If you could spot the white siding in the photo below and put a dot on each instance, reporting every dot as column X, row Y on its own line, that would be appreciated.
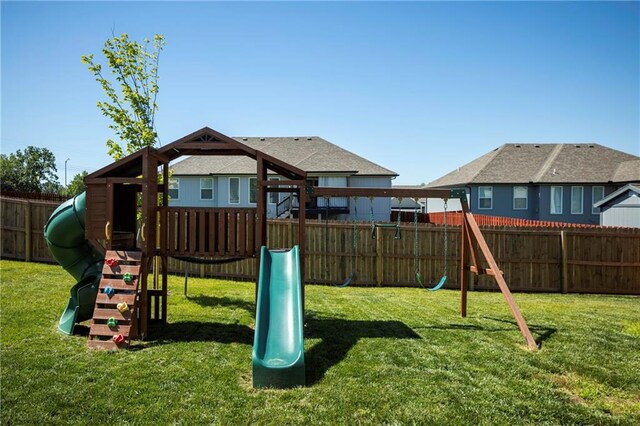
column 381, row 206
column 336, row 182
column 625, row 213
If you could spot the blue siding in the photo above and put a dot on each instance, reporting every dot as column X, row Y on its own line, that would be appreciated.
column 503, row 202
column 538, row 203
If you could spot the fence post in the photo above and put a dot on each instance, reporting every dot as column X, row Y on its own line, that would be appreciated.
column 27, row 232
column 379, row 259
column 564, row 264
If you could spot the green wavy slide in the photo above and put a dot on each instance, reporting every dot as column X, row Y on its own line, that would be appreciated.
column 278, row 346
column 64, row 233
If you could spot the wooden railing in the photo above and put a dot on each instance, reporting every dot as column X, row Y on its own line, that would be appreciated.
column 211, row 232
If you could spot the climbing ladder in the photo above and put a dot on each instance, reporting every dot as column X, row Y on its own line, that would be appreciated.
column 114, row 316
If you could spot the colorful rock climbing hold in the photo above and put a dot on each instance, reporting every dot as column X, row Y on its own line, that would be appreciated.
column 118, row 338
column 127, row 277
column 123, row 307
column 112, row 263
column 112, row 322
column 108, row 291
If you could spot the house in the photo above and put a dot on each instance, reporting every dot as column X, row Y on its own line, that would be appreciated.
column 621, row 208
column 423, row 205
column 230, row 181
column 552, row 182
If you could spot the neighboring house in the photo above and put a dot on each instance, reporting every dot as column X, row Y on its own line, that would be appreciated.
column 423, row 205
column 553, row 182
column 408, row 204
column 230, row 181
column 621, row 208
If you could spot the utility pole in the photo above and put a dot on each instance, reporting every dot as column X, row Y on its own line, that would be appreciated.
column 65, row 171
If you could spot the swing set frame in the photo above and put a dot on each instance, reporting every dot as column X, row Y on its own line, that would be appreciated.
column 473, row 244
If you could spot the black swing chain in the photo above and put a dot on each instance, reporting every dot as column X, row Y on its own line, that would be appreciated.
column 446, row 240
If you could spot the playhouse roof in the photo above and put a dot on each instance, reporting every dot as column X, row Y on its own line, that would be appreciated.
column 206, row 142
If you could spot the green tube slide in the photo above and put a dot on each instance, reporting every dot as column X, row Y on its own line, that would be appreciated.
column 64, row 233
column 278, row 346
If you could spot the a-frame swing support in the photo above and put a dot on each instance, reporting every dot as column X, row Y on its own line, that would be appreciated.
column 470, row 238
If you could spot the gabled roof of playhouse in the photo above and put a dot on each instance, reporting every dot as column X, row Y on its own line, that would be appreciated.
column 205, row 141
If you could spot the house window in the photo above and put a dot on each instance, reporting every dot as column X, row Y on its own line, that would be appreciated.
column 174, row 188
column 485, row 197
column 206, row 188
column 234, row 190
column 556, row 200
column 520, row 197
column 253, row 190
column 273, row 196
column 577, row 195
column 597, row 194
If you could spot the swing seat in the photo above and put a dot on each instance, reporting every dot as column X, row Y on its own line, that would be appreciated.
column 348, row 281
column 375, row 226
column 440, row 284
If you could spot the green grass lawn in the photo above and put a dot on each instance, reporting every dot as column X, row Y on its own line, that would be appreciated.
column 382, row 355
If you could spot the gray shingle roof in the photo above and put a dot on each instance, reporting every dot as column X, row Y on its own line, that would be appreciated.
column 628, row 171
column 310, row 153
column 546, row 163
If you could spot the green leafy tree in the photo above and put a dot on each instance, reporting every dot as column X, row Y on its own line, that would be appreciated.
column 131, row 91
column 76, row 186
column 31, row 170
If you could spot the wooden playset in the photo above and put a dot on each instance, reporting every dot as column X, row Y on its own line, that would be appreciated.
column 113, row 214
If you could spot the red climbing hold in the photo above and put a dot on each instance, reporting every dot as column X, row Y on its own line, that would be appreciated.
column 118, row 338
column 112, row 263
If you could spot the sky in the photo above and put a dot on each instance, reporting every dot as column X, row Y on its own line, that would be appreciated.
column 420, row 88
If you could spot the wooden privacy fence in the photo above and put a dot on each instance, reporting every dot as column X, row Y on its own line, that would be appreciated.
column 22, row 228
column 539, row 259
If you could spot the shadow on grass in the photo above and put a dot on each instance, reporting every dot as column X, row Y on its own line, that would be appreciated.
column 194, row 331
column 215, row 302
column 543, row 333
column 338, row 336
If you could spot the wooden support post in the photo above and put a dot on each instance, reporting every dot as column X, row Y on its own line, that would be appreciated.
column 484, row 248
column 473, row 252
column 302, row 217
column 27, row 232
column 565, row 264
column 261, row 213
column 464, row 271
column 165, row 288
